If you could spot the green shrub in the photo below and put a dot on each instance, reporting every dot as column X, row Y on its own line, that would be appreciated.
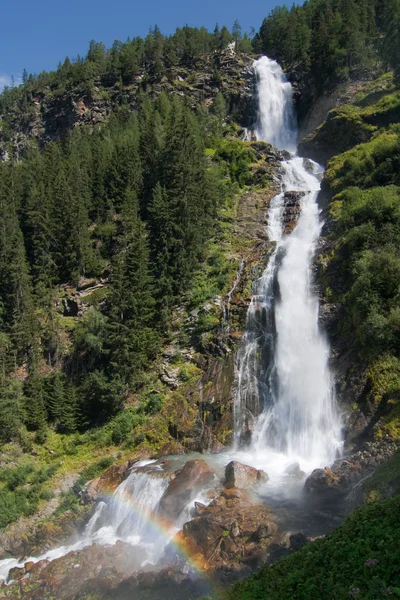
column 153, row 404
column 17, row 476
column 69, row 501
column 123, row 424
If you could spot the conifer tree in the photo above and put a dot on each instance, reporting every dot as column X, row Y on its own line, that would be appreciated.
column 11, row 397
column 162, row 229
column 17, row 308
column 185, row 187
column 35, row 406
column 124, row 170
column 132, row 339
column 151, row 145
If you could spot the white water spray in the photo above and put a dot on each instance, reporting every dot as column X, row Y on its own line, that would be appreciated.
column 285, row 397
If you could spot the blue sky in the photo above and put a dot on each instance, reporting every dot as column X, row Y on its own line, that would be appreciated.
column 37, row 34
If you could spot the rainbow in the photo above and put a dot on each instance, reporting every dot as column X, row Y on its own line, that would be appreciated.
column 196, row 560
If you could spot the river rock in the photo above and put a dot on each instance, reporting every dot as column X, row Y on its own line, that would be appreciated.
column 232, row 529
column 323, row 483
column 243, row 476
column 194, row 476
column 294, row 471
column 91, row 492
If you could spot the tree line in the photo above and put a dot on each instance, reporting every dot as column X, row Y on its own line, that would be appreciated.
column 329, row 39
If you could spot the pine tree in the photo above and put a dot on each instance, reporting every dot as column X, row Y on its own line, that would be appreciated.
column 35, row 406
column 124, row 170
column 132, row 339
column 18, row 313
column 151, row 144
column 61, row 403
column 162, row 230
column 11, row 396
column 224, row 38
column 184, row 182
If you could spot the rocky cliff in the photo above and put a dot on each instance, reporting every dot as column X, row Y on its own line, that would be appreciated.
column 53, row 112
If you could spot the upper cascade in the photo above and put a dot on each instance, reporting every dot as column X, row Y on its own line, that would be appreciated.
column 277, row 122
column 283, row 366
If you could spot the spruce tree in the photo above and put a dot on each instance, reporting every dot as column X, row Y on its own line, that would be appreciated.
column 132, row 338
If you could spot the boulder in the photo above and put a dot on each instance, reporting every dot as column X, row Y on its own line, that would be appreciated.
column 231, row 530
column 323, row 483
column 106, row 483
column 291, row 210
column 243, row 476
column 194, row 476
column 294, row 471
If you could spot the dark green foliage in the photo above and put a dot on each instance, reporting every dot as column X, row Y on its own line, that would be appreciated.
column 331, row 40
column 391, row 41
column 123, row 425
column 153, row 404
column 338, row 566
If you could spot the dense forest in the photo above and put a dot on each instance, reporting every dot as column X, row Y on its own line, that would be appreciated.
column 327, row 40
column 136, row 203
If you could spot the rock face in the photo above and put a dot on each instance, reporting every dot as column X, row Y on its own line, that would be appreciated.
column 291, row 210
column 194, row 476
column 243, row 476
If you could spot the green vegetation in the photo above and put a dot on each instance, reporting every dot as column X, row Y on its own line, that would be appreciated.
column 21, row 490
column 359, row 560
column 363, row 268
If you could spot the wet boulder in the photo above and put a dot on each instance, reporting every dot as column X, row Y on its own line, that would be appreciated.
column 105, row 484
column 193, row 477
column 291, row 210
column 91, row 491
column 232, row 529
column 294, row 470
column 243, row 476
column 323, row 484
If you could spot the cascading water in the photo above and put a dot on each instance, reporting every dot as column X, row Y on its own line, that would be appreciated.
column 285, row 398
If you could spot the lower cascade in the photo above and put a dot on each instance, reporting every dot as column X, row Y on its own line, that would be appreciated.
column 285, row 401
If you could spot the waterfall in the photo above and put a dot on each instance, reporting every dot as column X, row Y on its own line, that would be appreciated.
column 285, row 402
